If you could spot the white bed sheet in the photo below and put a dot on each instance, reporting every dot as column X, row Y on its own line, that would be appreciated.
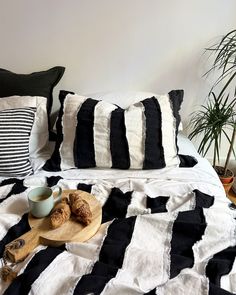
column 202, row 176
column 171, row 180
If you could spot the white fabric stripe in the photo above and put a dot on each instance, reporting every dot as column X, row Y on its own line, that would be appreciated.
column 14, row 150
column 72, row 105
column 66, row 269
column 182, row 202
column 209, row 244
column 15, row 145
column 135, row 134
column 15, row 118
column 23, row 168
column 138, row 204
column 168, row 131
column 17, row 160
column 228, row 282
column 4, row 191
column 187, row 282
column 17, row 140
column 101, row 129
column 21, row 122
column 11, row 211
column 89, row 250
column 143, row 249
column 101, row 192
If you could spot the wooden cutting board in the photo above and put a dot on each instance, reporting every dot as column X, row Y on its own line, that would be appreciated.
column 41, row 233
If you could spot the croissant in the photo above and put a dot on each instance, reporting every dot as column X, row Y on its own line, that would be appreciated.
column 80, row 208
column 60, row 213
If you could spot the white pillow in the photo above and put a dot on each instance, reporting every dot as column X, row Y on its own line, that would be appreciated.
column 39, row 133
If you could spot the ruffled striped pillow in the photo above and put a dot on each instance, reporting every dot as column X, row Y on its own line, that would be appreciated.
column 15, row 128
column 93, row 133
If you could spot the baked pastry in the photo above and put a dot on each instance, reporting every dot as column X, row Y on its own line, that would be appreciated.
column 60, row 213
column 80, row 208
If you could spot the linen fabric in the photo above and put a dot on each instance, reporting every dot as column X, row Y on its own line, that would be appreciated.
column 33, row 84
column 158, row 236
column 15, row 128
column 94, row 133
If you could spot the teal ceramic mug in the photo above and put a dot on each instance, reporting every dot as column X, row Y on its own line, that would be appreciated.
column 41, row 200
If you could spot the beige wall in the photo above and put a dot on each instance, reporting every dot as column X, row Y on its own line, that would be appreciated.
column 105, row 45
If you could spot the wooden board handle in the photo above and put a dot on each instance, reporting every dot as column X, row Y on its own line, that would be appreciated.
column 30, row 242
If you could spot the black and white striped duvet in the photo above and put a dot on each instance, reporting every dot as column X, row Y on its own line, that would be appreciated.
column 148, row 243
column 93, row 133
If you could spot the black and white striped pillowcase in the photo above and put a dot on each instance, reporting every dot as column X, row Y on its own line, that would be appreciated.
column 15, row 129
column 94, row 133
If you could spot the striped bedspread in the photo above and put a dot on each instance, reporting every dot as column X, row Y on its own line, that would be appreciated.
column 147, row 244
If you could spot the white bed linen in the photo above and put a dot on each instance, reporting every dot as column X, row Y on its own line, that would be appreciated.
column 178, row 184
column 202, row 176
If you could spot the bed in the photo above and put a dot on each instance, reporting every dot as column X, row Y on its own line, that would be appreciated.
column 165, row 230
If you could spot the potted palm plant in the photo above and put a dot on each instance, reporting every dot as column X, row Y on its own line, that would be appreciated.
column 218, row 117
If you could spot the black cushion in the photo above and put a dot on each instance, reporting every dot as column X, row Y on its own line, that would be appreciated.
column 34, row 84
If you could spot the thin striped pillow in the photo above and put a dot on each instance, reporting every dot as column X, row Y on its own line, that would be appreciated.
column 93, row 133
column 15, row 128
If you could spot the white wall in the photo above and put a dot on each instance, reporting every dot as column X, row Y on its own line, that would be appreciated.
column 105, row 45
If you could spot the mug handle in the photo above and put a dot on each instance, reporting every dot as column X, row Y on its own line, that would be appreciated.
column 58, row 197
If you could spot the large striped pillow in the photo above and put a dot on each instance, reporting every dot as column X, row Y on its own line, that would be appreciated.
column 93, row 133
column 15, row 128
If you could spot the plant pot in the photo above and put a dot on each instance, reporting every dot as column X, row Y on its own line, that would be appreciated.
column 224, row 178
column 227, row 180
column 227, row 186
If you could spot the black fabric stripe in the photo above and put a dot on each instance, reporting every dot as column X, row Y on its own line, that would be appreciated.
column 11, row 124
column 10, row 181
column 84, row 154
column 203, row 200
column 118, row 141
column 41, row 260
column 152, row 292
column 154, row 152
column 176, row 99
column 116, row 205
column 188, row 228
column 53, row 180
column 14, row 232
column 187, row 161
column 9, row 131
column 25, row 110
column 15, row 149
column 215, row 290
column 17, row 188
column 85, row 187
column 23, row 129
column 111, row 257
column 53, row 164
column 158, row 204
column 18, row 159
column 8, row 164
column 220, row 264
